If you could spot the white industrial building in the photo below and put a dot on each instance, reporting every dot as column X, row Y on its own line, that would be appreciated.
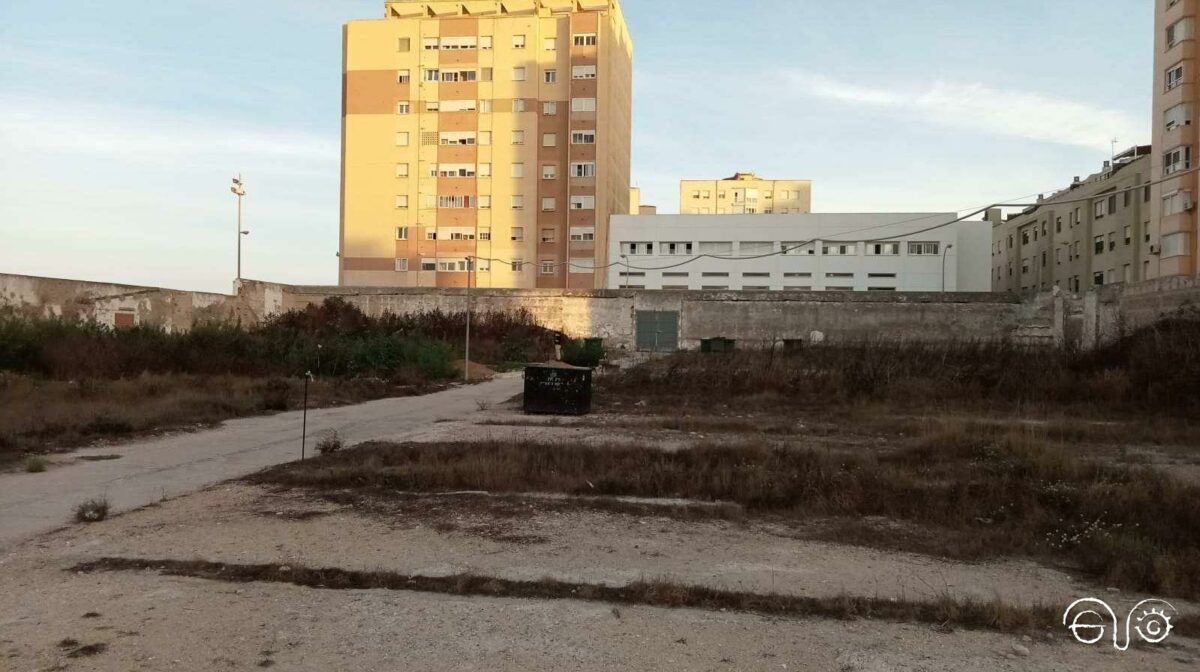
column 800, row 252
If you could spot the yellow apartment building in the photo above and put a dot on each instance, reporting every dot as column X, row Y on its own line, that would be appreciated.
column 485, row 129
column 1174, row 244
column 745, row 194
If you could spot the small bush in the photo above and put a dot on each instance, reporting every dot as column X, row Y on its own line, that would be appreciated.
column 275, row 395
column 35, row 464
column 92, row 511
column 329, row 444
column 587, row 353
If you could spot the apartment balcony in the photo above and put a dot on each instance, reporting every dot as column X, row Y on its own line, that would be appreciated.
column 1183, row 93
column 1183, row 221
column 1181, row 135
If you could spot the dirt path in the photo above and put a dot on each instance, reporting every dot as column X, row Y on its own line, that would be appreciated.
column 151, row 470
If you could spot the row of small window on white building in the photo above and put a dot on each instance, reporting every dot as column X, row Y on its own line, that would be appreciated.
column 579, row 169
column 751, row 249
column 464, row 265
column 747, row 194
column 404, row 138
column 584, row 234
column 486, row 42
column 484, row 202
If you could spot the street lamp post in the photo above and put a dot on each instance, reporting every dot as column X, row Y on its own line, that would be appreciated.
column 625, row 282
column 467, row 348
column 944, row 253
column 239, row 190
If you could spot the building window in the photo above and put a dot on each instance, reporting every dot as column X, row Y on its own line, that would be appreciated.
column 1176, row 202
column 428, row 264
column 1098, row 209
column 518, row 202
column 587, row 138
column 485, row 201
column 637, row 249
column 401, row 170
column 401, row 233
column 432, row 106
column 583, row 104
column 548, row 203
column 547, row 267
column 549, row 139
column 404, row 44
column 1098, row 245
column 1177, row 159
column 455, row 202
column 547, row 235
column 1174, row 76
column 518, row 105
column 1179, row 115
column 518, row 41
column 583, row 72
column 431, row 75
column 924, row 248
column 550, row 43
column 549, row 171
column 1098, row 278
column 550, row 108
column 430, row 43
column 518, row 170
column 843, row 250
column 485, row 137
column 583, row 169
column 584, row 235
column 1179, row 31
column 583, row 202
column 519, row 74
column 485, row 106
column 883, row 249
column 485, row 41
column 402, row 265
column 486, row 74
column 402, row 139
column 585, row 40
column 403, row 76
column 485, row 234
column 518, row 137
column 402, row 201
column 485, row 170
column 403, row 107
column 550, row 76
column 518, row 234
column 431, row 234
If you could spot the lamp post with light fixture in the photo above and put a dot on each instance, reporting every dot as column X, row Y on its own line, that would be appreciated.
column 944, row 253
column 239, row 190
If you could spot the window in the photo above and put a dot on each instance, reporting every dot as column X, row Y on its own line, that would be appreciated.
column 485, row 106
column 1129, row 235
column 456, row 138
column 432, row 106
column 431, row 75
column 485, row 137
column 550, row 108
column 518, row 202
column 1177, row 159
column 924, row 248
column 1175, row 244
column 583, row 202
column 549, row 171
column 583, row 104
column 401, row 233
column 430, row 43
column 550, row 43
column 401, row 170
column 455, row 170
column 589, row 138
column 404, row 44
column 583, row 72
column 585, row 40
column 1179, row 31
column 485, row 202
column 550, row 76
column 518, row 233
column 402, row 201
column 402, row 265
column 455, row 202
column 549, row 203
column 583, row 169
column 402, row 139
column 485, row 234
column 1098, row 209
column 755, row 248
column 458, row 105
column 549, row 139
column 1112, row 241
column 518, row 41
column 1098, row 278
column 485, row 74
column 843, row 250
column 403, row 76
column 459, row 42
column 485, row 170
column 797, row 248
column 428, row 264
column 1176, row 202
column 517, row 265
column 518, row 105
column 518, row 137
column 883, row 249
column 519, row 74
column 403, row 107
column 546, row 267
column 583, row 234
column 716, row 248
column 1112, row 203
column 431, row 234
column 547, row 235
column 485, row 41
column 637, row 249
column 1179, row 115
column 1098, row 245
column 518, row 170
column 1174, row 76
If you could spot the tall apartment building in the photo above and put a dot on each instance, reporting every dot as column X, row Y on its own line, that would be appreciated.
column 745, row 194
column 1096, row 232
column 1176, row 96
column 492, row 129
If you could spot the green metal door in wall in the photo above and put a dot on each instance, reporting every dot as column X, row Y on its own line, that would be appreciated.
column 657, row 331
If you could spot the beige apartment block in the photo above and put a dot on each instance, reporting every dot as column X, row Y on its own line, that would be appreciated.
column 1176, row 93
column 1095, row 232
column 745, row 194
column 485, row 129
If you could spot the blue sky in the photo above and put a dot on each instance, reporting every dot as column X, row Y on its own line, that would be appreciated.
column 121, row 121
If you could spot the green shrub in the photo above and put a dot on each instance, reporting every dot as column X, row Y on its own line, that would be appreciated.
column 587, row 353
column 36, row 464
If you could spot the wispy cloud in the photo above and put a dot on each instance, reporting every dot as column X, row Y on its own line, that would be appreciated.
column 981, row 108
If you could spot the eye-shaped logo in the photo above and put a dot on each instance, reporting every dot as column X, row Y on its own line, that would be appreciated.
column 1088, row 620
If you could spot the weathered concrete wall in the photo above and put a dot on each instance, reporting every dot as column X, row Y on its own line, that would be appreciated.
column 752, row 318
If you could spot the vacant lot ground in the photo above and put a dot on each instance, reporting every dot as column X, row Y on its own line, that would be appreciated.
column 756, row 532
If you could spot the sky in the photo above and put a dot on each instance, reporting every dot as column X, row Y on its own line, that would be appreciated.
column 122, row 121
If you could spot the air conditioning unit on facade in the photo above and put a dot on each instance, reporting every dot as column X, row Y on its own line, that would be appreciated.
column 1155, row 249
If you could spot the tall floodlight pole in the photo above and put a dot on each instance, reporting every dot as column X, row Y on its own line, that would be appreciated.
column 239, row 190
column 944, row 253
column 467, row 348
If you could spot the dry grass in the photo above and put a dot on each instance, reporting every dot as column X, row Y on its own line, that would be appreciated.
column 945, row 613
column 41, row 416
column 977, row 495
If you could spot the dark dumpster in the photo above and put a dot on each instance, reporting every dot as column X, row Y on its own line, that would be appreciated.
column 558, row 389
column 718, row 345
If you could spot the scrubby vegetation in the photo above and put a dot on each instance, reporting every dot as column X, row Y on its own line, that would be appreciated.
column 588, row 352
column 1154, row 370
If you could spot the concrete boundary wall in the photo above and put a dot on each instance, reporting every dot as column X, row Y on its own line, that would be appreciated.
column 754, row 319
